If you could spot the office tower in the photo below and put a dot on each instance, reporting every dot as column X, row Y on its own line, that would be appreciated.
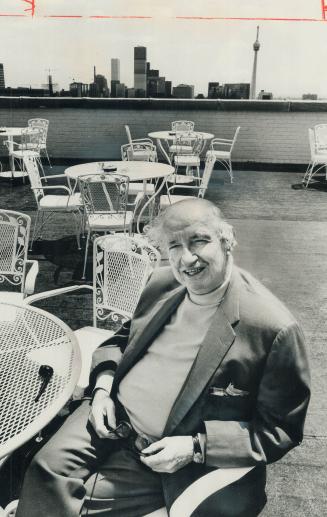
column 256, row 47
column 167, row 89
column 213, row 90
column 115, row 69
column 120, row 90
column 2, row 76
column 78, row 89
column 113, row 86
column 183, row 91
column 140, row 68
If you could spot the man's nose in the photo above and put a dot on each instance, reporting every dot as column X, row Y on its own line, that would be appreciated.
column 188, row 258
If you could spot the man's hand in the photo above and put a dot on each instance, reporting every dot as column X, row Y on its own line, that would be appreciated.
column 102, row 414
column 169, row 454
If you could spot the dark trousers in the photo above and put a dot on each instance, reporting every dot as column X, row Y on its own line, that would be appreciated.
column 76, row 463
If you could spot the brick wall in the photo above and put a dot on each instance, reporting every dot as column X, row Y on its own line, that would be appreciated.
column 275, row 132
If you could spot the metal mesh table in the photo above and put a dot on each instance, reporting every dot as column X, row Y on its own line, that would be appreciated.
column 30, row 337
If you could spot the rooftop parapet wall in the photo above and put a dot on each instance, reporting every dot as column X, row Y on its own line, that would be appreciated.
column 271, row 131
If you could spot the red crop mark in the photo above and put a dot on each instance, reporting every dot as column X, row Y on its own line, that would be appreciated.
column 323, row 9
column 122, row 17
column 31, row 8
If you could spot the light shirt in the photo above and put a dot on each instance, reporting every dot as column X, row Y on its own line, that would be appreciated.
column 148, row 391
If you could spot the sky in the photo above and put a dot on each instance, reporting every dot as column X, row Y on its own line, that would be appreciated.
column 291, row 59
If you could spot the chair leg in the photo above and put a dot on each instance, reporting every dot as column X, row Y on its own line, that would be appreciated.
column 230, row 170
column 38, row 220
column 47, row 156
column 85, row 256
column 77, row 228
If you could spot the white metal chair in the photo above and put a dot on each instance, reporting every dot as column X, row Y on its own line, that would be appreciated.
column 105, row 199
column 189, row 160
column 318, row 156
column 29, row 147
column 14, row 237
column 200, row 187
column 139, row 151
column 36, row 123
column 141, row 154
column 50, row 204
column 224, row 156
column 121, row 268
column 182, row 125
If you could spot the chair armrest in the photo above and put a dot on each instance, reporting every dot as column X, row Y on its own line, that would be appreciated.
column 31, row 276
column 199, row 490
column 178, row 185
column 53, row 187
column 55, row 292
column 45, row 178
column 144, row 140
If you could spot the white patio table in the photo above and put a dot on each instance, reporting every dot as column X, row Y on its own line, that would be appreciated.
column 135, row 170
column 168, row 136
column 29, row 338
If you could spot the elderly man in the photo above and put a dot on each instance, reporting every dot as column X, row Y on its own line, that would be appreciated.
column 211, row 372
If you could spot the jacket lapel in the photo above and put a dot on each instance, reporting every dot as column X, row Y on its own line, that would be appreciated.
column 218, row 340
column 146, row 329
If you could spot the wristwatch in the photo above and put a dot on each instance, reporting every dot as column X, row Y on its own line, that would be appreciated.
column 197, row 451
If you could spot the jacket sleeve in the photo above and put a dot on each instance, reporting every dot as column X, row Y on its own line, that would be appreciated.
column 108, row 355
column 279, row 413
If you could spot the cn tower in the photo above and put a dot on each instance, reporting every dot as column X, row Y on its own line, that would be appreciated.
column 256, row 47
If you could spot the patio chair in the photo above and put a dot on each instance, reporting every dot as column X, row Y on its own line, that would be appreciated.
column 141, row 154
column 42, row 123
column 224, row 156
column 50, row 204
column 15, row 269
column 182, row 125
column 318, row 157
column 105, row 200
column 199, row 188
column 121, row 268
column 128, row 153
column 29, row 147
column 189, row 160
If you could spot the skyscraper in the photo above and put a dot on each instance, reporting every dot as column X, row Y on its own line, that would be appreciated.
column 140, row 71
column 2, row 77
column 256, row 47
column 115, row 69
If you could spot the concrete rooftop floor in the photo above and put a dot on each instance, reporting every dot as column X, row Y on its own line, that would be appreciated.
column 282, row 239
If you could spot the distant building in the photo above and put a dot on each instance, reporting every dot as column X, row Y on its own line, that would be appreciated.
column 99, row 88
column 121, row 90
column 213, row 90
column 114, row 83
column 183, row 91
column 115, row 69
column 2, row 76
column 309, row 97
column 168, row 87
column 130, row 92
column 140, row 69
column 79, row 89
column 236, row 91
column 265, row 96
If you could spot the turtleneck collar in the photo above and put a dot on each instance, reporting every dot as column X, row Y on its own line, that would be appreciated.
column 216, row 296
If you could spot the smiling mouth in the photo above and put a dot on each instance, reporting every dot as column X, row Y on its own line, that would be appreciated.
column 193, row 271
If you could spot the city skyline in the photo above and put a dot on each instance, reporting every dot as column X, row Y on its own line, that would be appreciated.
column 185, row 51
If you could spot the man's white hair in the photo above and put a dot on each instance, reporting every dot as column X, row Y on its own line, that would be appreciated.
column 156, row 232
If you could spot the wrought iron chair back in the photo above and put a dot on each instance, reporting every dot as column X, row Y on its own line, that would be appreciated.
column 32, row 138
column 131, row 151
column 43, row 125
column 121, row 267
column 182, row 125
column 104, row 193
column 14, row 237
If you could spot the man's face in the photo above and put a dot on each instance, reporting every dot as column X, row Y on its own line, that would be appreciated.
column 195, row 252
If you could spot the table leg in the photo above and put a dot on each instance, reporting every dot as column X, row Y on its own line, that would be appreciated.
column 163, row 151
column 151, row 198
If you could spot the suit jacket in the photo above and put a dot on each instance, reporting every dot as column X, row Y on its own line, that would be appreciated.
column 248, row 388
